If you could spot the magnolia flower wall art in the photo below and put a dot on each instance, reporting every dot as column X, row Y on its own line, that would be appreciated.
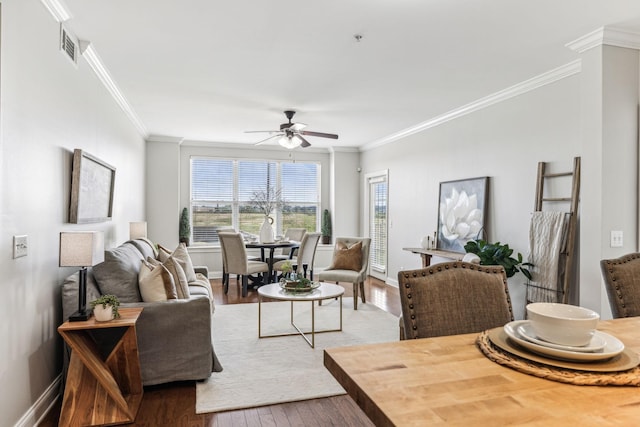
column 461, row 212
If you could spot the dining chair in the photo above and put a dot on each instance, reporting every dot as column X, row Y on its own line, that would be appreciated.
column 453, row 298
column 235, row 261
column 622, row 281
column 350, row 263
column 306, row 255
column 295, row 234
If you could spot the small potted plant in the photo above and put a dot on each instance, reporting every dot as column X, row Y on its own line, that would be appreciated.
column 185, row 227
column 105, row 308
column 326, row 227
column 498, row 254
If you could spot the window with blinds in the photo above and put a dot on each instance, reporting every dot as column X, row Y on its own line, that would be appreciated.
column 222, row 191
column 378, row 223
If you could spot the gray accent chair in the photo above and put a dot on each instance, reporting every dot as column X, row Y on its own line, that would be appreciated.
column 235, row 261
column 453, row 298
column 622, row 281
column 357, row 278
column 174, row 337
column 306, row 256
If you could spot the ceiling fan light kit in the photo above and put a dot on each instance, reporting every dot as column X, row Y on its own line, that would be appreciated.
column 289, row 142
column 290, row 135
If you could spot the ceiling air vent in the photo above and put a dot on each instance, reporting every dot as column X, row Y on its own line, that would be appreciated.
column 68, row 45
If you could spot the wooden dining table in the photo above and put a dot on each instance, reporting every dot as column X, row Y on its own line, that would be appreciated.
column 449, row 381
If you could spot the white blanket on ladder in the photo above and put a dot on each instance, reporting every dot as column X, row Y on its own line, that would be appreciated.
column 546, row 242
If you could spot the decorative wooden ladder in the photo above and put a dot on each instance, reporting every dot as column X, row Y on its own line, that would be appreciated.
column 567, row 255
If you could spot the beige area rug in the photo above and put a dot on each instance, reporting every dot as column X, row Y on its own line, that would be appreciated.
column 268, row 371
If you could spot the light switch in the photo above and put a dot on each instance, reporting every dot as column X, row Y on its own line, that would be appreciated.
column 616, row 239
column 19, row 246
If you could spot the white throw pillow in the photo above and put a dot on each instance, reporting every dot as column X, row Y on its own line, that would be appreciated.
column 156, row 283
column 179, row 278
column 181, row 254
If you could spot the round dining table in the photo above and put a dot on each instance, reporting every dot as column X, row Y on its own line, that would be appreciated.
column 272, row 246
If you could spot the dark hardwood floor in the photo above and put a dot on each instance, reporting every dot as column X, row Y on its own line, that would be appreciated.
column 174, row 404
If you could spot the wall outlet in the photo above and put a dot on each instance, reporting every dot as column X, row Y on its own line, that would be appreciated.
column 616, row 239
column 19, row 246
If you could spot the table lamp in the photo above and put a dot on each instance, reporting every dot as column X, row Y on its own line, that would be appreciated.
column 137, row 230
column 81, row 249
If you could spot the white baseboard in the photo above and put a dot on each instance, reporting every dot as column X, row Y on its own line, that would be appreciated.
column 42, row 406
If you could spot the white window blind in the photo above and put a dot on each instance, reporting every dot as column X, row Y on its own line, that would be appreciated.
column 222, row 190
column 211, row 198
column 301, row 192
column 378, row 223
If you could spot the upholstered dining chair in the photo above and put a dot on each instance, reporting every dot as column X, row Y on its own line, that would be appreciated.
column 295, row 234
column 235, row 261
column 349, row 265
column 453, row 298
column 306, row 255
column 622, row 281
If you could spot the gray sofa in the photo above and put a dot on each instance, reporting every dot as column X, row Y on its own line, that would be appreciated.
column 174, row 336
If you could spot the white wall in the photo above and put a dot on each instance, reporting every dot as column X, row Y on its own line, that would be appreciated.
column 163, row 191
column 48, row 108
column 505, row 142
column 609, row 92
column 345, row 193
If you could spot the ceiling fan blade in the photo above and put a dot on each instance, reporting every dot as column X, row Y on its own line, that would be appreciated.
column 297, row 126
column 261, row 131
column 304, row 143
column 266, row 140
column 319, row 134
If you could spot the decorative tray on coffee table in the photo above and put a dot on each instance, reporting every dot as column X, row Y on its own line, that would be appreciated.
column 297, row 286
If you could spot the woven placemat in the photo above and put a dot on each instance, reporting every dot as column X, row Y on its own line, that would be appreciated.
column 629, row 377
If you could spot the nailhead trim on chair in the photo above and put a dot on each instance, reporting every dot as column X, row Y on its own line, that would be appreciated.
column 447, row 266
column 610, row 268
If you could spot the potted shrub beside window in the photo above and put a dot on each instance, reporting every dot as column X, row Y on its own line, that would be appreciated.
column 184, row 231
column 326, row 227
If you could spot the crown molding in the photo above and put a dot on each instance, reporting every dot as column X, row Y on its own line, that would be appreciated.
column 57, row 9
column 165, row 139
column 609, row 36
column 549, row 77
column 98, row 67
column 343, row 149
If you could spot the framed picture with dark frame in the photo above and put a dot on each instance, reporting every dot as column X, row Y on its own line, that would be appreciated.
column 462, row 211
column 92, row 184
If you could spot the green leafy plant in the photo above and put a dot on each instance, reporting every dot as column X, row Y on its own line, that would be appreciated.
column 326, row 226
column 287, row 267
column 498, row 254
column 185, row 227
column 105, row 300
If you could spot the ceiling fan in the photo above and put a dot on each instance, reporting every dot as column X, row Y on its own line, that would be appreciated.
column 291, row 135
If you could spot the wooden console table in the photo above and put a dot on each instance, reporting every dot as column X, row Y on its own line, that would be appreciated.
column 426, row 255
column 104, row 383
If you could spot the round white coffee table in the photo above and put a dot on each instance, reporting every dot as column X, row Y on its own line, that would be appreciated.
column 324, row 291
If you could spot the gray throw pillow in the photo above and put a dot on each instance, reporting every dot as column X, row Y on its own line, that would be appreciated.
column 118, row 274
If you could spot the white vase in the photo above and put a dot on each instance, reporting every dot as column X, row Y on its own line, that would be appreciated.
column 266, row 231
column 426, row 242
column 103, row 314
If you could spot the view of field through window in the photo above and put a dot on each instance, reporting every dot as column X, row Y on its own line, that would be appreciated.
column 222, row 191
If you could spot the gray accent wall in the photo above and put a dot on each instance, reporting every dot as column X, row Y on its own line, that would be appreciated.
column 48, row 107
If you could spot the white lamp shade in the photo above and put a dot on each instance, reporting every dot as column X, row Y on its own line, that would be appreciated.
column 137, row 230
column 81, row 248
